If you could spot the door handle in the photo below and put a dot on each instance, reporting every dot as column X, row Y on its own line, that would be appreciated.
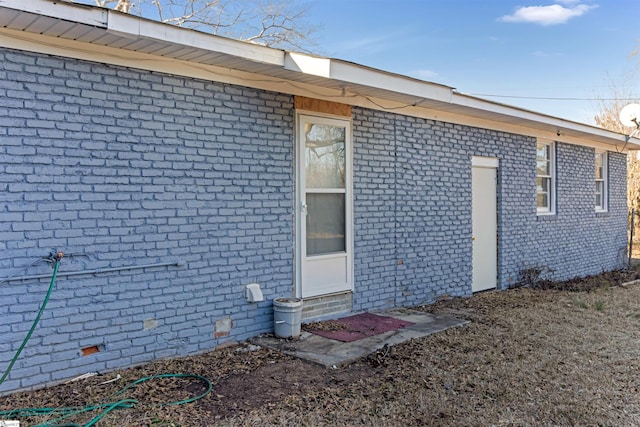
column 303, row 208
column 473, row 238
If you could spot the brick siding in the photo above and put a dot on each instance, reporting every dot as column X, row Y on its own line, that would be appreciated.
column 413, row 210
column 126, row 167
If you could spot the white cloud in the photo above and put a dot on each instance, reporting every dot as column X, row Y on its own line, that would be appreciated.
column 548, row 15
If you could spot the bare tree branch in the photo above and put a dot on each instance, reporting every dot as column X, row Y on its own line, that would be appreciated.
column 158, row 6
column 275, row 23
column 123, row 6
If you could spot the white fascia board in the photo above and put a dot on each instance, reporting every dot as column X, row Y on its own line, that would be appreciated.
column 377, row 79
column 364, row 76
column 561, row 125
column 308, row 64
column 520, row 113
column 65, row 11
column 139, row 28
column 469, row 101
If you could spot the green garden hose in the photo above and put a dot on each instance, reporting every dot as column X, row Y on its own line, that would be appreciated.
column 65, row 413
column 35, row 322
column 68, row 412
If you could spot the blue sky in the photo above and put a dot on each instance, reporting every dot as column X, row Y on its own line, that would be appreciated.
column 521, row 48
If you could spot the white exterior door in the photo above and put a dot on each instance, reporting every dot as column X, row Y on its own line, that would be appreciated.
column 485, row 226
column 324, row 244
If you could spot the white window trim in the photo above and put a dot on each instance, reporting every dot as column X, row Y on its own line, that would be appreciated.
column 551, row 209
column 605, row 182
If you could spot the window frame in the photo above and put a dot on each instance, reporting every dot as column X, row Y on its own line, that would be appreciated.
column 604, row 206
column 550, row 209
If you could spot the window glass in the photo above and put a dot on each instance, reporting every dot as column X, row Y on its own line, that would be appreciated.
column 599, row 172
column 324, row 156
column 544, row 178
column 543, row 160
column 599, row 194
column 601, row 181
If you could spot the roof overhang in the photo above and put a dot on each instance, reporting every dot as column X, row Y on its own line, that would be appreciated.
column 72, row 24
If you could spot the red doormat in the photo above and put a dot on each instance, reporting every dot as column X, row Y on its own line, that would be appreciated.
column 356, row 327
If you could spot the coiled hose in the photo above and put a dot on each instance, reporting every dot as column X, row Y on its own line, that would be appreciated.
column 105, row 408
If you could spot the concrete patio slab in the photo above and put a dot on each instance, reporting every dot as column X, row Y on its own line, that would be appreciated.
column 329, row 353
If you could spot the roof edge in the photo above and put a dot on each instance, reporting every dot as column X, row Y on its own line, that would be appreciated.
column 325, row 72
column 61, row 9
column 136, row 27
column 560, row 123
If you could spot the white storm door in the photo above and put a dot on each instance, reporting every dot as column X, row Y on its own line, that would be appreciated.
column 485, row 227
column 324, row 249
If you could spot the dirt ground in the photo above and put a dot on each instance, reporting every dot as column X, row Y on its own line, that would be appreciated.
column 556, row 354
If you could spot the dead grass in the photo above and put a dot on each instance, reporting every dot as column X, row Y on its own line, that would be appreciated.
column 529, row 357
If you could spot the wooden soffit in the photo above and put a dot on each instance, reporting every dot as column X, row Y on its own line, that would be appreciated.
column 321, row 106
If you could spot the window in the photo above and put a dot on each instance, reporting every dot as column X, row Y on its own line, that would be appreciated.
column 545, row 178
column 601, row 181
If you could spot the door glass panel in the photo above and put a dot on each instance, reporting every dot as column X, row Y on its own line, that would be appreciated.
column 325, row 223
column 324, row 156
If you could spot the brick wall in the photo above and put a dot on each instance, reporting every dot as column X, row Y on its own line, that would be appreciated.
column 413, row 210
column 127, row 167
column 577, row 240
